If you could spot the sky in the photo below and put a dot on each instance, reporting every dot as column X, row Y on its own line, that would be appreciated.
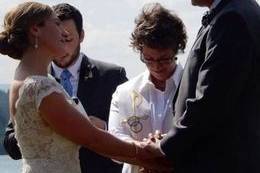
column 108, row 25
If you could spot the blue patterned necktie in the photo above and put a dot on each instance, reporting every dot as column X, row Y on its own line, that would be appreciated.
column 65, row 81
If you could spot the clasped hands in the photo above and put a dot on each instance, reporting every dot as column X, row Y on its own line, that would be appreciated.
column 150, row 155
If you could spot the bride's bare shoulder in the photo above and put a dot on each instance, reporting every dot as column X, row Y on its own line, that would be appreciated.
column 13, row 95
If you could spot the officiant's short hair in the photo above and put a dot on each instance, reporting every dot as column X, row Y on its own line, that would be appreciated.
column 159, row 28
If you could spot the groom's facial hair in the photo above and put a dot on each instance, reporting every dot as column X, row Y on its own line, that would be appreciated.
column 70, row 61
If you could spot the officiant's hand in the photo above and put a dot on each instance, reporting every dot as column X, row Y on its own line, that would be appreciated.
column 156, row 137
column 101, row 124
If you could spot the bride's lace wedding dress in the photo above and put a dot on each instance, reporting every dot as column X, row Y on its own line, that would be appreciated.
column 43, row 150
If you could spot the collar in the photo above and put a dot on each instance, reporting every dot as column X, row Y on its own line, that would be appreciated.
column 175, row 78
column 214, row 4
column 73, row 69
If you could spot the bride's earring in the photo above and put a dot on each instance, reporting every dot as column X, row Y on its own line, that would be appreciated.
column 36, row 43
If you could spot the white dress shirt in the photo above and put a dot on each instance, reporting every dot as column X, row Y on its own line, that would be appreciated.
column 74, row 69
column 138, row 108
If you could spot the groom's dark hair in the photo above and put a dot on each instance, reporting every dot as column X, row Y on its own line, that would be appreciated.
column 65, row 11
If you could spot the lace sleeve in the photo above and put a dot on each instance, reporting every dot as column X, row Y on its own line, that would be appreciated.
column 45, row 87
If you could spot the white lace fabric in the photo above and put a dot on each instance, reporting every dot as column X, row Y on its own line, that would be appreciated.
column 43, row 150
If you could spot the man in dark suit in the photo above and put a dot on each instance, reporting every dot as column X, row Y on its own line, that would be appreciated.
column 217, row 108
column 93, row 82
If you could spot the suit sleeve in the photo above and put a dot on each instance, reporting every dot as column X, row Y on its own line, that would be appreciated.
column 10, row 143
column 122, row 76
column 221, row 79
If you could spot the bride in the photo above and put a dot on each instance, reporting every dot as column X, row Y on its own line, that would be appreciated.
column 49, row 128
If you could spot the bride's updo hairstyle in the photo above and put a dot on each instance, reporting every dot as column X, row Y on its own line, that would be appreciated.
column 14, row 39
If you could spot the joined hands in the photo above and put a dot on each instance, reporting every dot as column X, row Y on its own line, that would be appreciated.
column 150, row 155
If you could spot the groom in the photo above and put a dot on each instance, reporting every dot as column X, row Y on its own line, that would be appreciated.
column 93, row 82
column 217, row 108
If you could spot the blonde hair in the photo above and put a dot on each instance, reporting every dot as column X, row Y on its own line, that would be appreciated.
column 14, row 39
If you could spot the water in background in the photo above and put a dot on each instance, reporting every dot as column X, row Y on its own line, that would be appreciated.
column 7, row 165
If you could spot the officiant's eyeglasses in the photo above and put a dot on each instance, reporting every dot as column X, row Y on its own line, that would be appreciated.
column 160, row 61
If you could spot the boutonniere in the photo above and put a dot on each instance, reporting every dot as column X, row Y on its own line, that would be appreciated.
column 88, row 73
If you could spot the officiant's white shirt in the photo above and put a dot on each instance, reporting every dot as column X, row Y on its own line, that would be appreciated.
column 138, row 108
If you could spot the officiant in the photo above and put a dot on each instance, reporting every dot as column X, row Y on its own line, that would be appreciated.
column 143, row 105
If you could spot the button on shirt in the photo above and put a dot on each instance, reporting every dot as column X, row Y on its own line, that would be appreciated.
column 74, row 70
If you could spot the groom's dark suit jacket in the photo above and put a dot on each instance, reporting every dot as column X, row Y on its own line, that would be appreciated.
column 97, row 83
column 219, row 95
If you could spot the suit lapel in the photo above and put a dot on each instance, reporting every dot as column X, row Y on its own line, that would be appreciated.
column 52, row 72
column 86, row 80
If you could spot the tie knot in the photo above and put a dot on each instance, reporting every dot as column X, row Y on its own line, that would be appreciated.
column 209, row 15
column 65, row 74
